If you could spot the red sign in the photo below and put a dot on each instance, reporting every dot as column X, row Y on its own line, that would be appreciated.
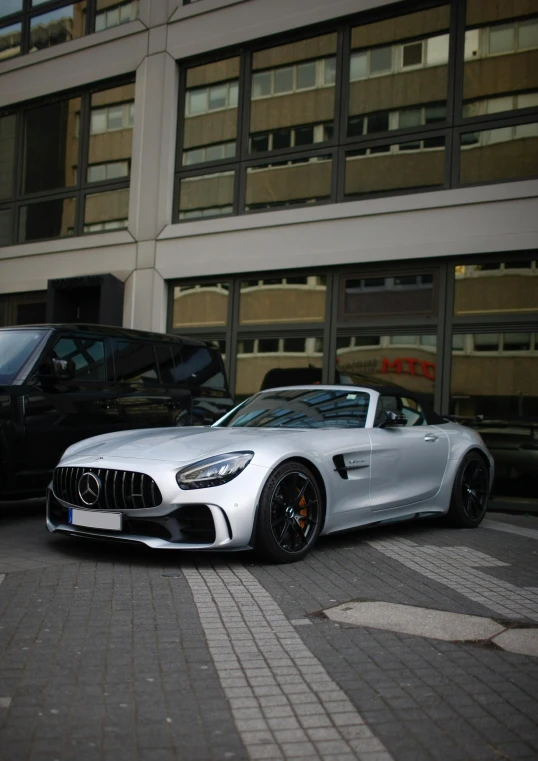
column 408, row 366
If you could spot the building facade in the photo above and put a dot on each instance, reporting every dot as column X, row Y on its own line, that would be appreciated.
column 335, row 191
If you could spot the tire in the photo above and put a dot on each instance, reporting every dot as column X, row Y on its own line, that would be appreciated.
column 290, row 514
column 470, row 492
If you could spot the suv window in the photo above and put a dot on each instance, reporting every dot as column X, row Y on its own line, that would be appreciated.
column 88, row 354
column 135, row 361
column 165, row 360
column 200, row 366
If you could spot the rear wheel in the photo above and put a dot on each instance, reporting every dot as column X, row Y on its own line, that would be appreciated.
column 470, row 492
column 290, row 513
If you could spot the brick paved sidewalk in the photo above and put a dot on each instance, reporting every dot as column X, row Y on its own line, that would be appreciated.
column 109, row 652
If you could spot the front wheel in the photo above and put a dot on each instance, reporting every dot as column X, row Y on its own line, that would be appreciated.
column 290, row 513
column 470, row 492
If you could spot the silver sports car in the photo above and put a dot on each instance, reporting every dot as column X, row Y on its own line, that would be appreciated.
column 277, row 471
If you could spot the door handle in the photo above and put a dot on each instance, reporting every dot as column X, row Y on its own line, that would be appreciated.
column 430, row 437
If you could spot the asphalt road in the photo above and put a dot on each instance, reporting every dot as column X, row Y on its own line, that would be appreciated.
column 111, row 652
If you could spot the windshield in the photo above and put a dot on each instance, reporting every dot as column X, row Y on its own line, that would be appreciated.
column 15, row 348
column 300, row 408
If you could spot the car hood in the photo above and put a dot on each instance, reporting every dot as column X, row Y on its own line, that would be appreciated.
column 177, row 445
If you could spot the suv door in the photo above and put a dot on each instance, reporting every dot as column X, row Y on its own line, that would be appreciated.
column 408, row 462
column 144, row 400
column 59, row 412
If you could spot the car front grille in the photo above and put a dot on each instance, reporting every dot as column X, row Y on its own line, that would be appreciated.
column 119, row 488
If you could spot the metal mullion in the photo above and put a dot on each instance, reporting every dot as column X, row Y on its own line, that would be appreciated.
column 243, row 111
column 83, row 152
column 444, row 332
column 182, row 100
column 232, row 330
column 330, row 330
column 91, row 14
column 507, row 119
column 285, row 330
column 453, row 53
column 492, row 322
column 224, row 165
column 290, row 155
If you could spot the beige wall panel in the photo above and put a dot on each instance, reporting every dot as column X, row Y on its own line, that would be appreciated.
column 494, row 376
column 282, row 305
column 483, row 11
column 410, row 88
column 113, row 204
column 500, row 74
column 203, row 193
column 500, row 161
column 289, row 183
column 315, row 47
column 483, row 294
column 200, row 308
column 402, row 170
column 313, row 106
column 111, row 146
column 210, row 128
column 220, row 71
column 401, row 27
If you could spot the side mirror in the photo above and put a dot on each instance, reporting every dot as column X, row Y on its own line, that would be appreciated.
column 63, row 369
column 393, row 419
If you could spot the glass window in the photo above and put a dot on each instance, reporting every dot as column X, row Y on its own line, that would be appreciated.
column 286, row 183
column 134, row 361
column 51, row 144
column 106, row 211
column 493, row 155
column 200, row 305
column 517, row 341
column 108, row 15
column 10, row 6
column 486, row 341
column 5, row 227
column 200, row 367
column 496, row 289
column 388, row 73
column 282, row 301
column 16, row 346
column 111, row 131
column 386, row 296
column 500, row 57
column 210, row 115
column 497, row 393
column 10, row 40
column 7, row 154
column 293, row 86
column 87, row 354
column 407, row 361
column 165, row 362
column 47, row 219
column 397, row 166
column 272, row 364
column 302, row 409
column 57, row 26
column 209, row 195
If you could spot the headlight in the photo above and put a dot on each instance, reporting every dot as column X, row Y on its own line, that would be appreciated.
column 214, row 471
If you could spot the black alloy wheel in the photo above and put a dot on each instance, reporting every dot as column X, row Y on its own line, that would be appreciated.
column 470, row 492
column 290, row 513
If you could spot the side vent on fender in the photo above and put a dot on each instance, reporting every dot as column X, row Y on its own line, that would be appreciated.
column 340, row 466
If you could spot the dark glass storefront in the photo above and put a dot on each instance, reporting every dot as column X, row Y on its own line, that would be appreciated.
column 462, row 333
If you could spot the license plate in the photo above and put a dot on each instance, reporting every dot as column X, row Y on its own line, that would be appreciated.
column 94, row 519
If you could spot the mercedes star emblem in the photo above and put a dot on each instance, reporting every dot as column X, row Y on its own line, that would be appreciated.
column 89, row 488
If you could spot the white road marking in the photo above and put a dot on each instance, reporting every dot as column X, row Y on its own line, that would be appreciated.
column 284, row 703
column 530, row 533
column 457, row 568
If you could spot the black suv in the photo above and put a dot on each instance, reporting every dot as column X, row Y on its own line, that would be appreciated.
column 63, row 383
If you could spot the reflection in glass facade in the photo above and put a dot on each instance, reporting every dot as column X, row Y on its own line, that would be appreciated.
column 398, row 73
column 496, row 289
column 277, row 300
column 10, row 40
column 111, row 133
column 56, row 26
column 287, row 183
column 293, row 95
column 398, row 166
column 210, row 114
column 106, row 211
column 500, row 58
column 494, row 388
column 198, row 306
column 109, row 14
column 7, row 155
column 403, row 294
column 506, row 153
column 47, row 219
column 270, row 362
column 409, row 361
column 208, row 195
column 51, row 145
